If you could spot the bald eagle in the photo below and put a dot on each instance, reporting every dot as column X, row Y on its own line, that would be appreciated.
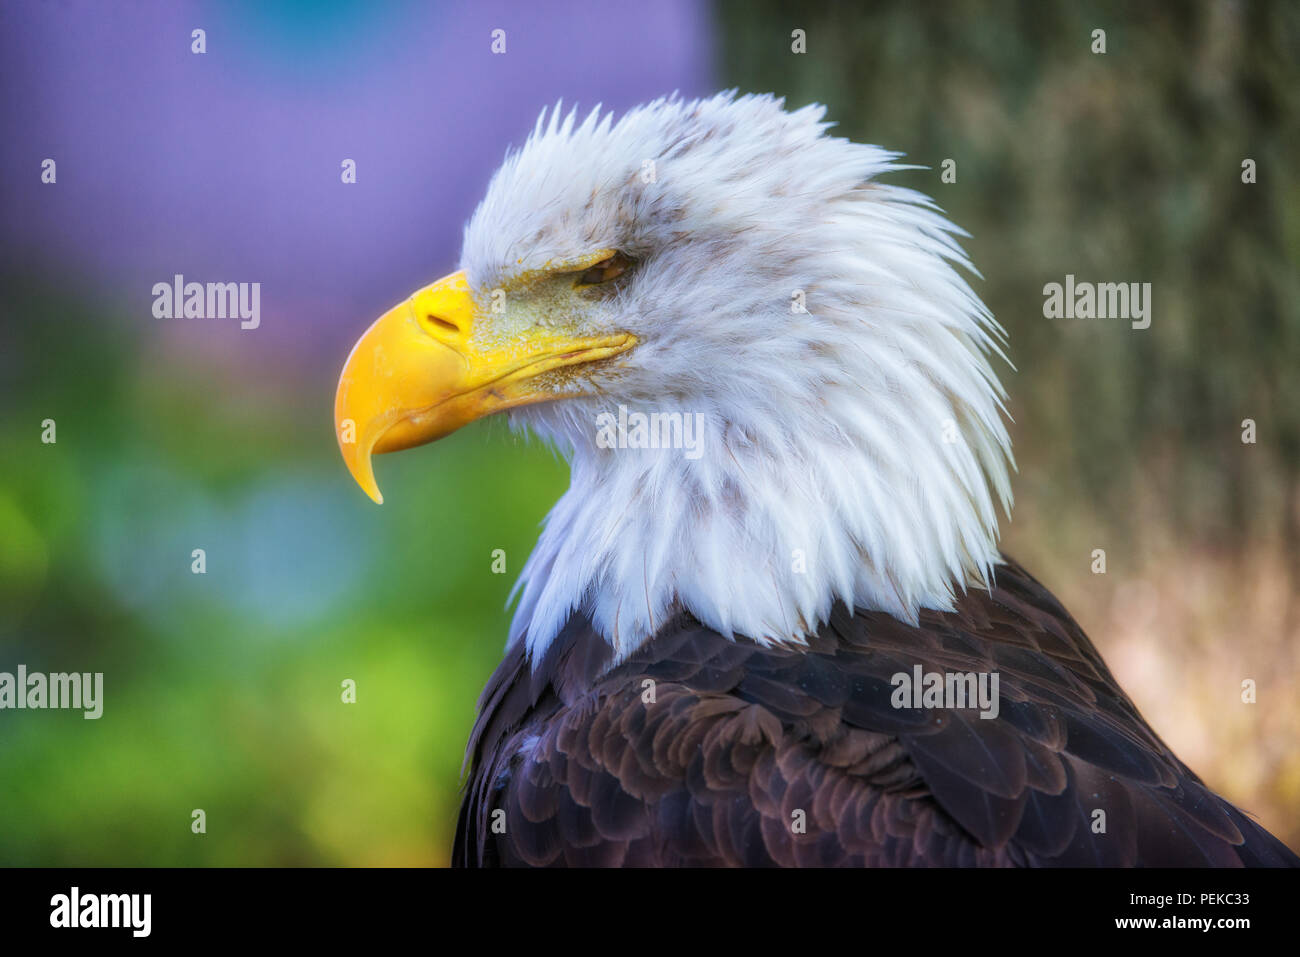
column 769, row 622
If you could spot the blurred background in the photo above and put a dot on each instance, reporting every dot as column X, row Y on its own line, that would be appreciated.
column 222, row 690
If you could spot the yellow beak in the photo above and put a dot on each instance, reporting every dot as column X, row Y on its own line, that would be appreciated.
column 426, row 368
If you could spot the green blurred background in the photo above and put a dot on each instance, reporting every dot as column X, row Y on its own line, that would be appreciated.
column 223, row 690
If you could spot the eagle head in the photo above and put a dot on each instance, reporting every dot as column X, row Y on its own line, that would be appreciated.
column 770, row 378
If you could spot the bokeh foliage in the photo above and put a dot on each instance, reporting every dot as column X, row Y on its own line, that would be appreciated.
column 222, row 690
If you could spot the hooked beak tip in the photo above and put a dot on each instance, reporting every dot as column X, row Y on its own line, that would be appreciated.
column 357, row 457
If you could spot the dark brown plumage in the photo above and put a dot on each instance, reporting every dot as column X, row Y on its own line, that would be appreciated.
column 739, row 738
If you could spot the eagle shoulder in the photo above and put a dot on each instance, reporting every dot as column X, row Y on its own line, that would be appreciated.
column 706, row 750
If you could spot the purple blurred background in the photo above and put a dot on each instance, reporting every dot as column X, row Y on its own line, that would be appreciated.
column 225, row 166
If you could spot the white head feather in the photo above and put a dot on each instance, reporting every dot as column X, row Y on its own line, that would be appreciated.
column 851, row 452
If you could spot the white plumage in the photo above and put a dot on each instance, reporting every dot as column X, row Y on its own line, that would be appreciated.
column 851, row 452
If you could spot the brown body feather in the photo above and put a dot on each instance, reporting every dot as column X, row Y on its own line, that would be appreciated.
column 739, row 739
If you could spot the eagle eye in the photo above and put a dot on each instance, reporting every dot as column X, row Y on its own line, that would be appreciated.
column 609, row 268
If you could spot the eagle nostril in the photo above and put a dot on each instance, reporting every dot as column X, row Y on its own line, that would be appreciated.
column 443, row 324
